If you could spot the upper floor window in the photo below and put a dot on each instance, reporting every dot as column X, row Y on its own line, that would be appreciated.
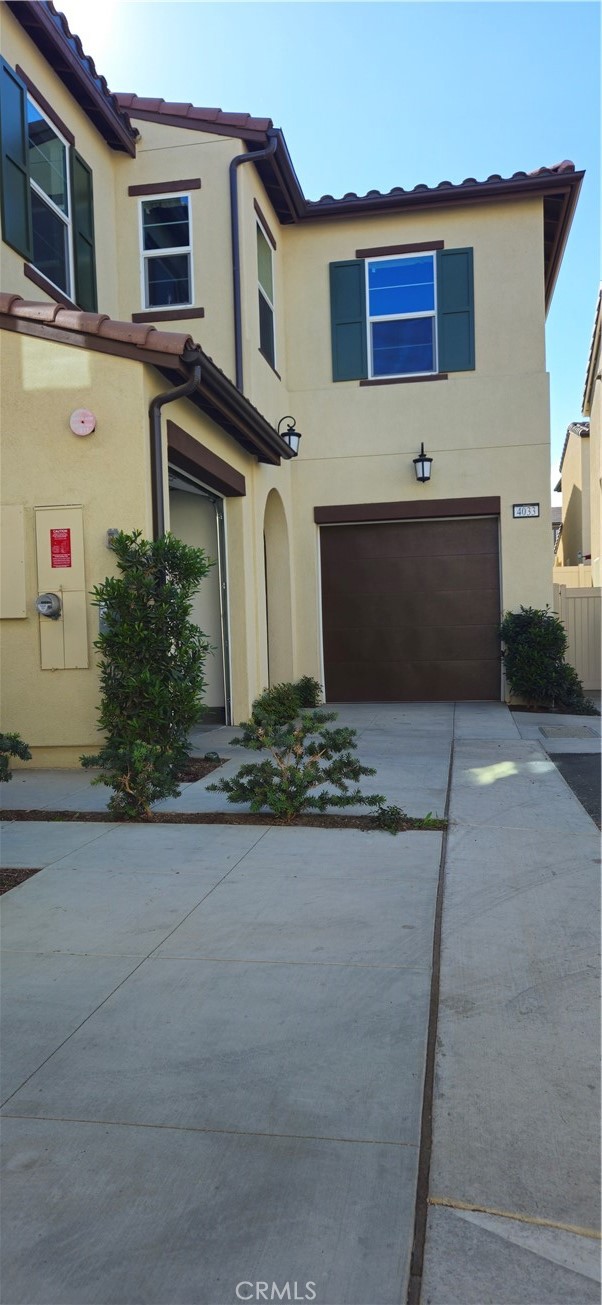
column 403, row 316
column 402, row 308
column 50, row 200
column 166, row 251
column 47, row 194
column 265, row 277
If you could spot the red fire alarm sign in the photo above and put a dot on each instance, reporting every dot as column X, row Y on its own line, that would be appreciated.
column 60, row 547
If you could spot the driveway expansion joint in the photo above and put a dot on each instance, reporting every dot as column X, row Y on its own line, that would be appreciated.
column 227, row 1132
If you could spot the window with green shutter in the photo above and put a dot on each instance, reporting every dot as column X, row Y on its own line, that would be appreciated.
column 14, row 169
column 404, row 315
column 47, row 201
column 83, row 234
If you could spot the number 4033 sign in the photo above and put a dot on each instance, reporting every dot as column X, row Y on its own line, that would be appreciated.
column 525, row 510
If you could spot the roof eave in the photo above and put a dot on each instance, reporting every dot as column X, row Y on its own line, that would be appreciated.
column 593, row 369
column 45, row 30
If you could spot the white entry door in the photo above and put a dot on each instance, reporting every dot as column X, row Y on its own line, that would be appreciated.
column 195, row 519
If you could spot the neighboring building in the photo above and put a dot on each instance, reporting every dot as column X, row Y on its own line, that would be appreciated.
column 383, row 323
column 556, row 519
column 573, row 547
column 581, row 481
column 592, row 408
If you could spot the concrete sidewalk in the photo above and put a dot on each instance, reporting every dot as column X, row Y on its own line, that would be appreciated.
column 214, row 1041
column 514, row 1183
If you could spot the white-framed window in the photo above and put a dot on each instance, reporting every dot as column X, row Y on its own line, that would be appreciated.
column 401, row 298
column 265, row 282
column 51, row 211
column 166, row 244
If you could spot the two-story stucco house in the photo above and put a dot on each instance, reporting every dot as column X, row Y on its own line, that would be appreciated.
column 171, row 302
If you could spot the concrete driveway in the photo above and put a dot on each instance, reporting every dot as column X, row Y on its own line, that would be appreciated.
column 214, row 1038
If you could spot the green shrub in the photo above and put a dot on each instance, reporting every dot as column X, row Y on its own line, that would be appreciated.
column 283, row 702
column 309, row 691
column 279, row 704
column 535, row 644
column 11, row 745
column 151, row 669
column 305, row 756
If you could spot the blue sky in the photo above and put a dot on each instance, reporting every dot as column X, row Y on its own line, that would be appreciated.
column 374, row 95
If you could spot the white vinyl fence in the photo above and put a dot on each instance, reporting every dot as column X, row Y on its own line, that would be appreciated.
column 580, row 612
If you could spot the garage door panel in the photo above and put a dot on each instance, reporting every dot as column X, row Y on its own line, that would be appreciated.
column 411, row 539
column 411, row 643
column 411, row 610
column 398, row 575
column 417, row 610
column 422, row 682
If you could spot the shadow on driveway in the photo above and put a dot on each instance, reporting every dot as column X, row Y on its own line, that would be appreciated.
column 582, row 772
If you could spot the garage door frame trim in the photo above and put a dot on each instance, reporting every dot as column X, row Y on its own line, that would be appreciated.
column 340, row 514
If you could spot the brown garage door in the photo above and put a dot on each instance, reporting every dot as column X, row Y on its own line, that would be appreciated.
column 411, row 611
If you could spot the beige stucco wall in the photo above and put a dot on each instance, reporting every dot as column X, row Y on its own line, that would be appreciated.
column 576, row 522
column 165, row 154
column 44, row 464
column 108, row 475
column 595, row 454
column 487, row 430
column 18, row 48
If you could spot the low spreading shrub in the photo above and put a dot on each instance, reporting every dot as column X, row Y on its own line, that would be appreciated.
column 535, row 643
column 11, row 745
column 309, row 691
column 283, row 702
column 305, row 756
column 151, row 668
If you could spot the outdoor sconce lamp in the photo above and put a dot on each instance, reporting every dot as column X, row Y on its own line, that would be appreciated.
column 422, row 466
column 290, row 435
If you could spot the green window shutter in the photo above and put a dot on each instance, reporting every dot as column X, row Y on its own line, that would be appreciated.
column 14, row 162
column 348, row 320
column 455, row 310
column 83, row 234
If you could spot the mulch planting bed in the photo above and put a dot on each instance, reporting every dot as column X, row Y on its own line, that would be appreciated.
column 10, row 878
column 552, row 711
column 198, row 768
column 222, row 818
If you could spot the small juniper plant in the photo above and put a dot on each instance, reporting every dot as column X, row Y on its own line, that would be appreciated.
column 305, row 756
column 151, row 669
column 11, row 745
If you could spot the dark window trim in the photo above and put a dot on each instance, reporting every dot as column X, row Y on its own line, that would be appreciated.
column 168, row 315
column 270, row 364
column 264, row 224
column 47, row 286
column 408, row 510
column 165, row 187
column 189, row 455
column 406, row 380
column 43, row 103
column 385, row 250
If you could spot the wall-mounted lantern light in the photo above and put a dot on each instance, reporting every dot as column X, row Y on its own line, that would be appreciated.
column 422, row 466
column 290, row 435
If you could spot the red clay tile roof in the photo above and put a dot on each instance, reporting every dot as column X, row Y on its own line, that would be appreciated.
column 50, row 31
column 469, row 183
column 580, row 428
column 243, row 125
column 216, row 395
column 107, row 328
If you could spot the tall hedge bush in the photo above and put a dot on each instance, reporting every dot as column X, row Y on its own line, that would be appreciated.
column 151, row 669
column 535, row 643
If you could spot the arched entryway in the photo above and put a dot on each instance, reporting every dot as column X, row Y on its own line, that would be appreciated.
column 277, row 590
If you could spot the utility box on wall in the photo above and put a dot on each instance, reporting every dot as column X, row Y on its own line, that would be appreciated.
column 60, row 557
